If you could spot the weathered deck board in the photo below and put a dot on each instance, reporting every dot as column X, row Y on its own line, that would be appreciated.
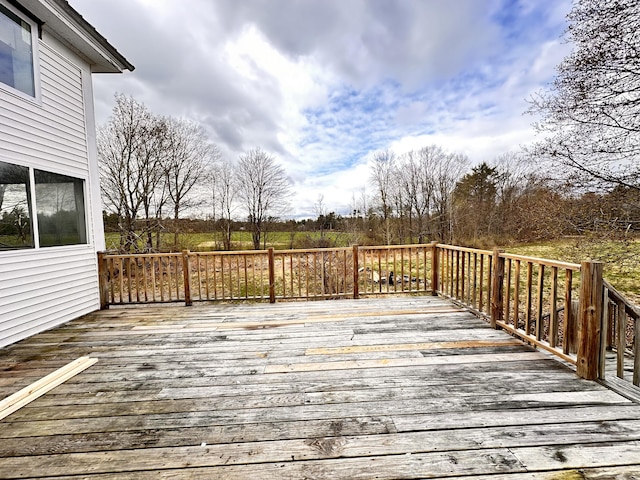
column 393, row 388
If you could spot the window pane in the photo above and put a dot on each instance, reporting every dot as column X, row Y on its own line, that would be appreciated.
column 16, row 52
column 15, row 205
column 60, row 204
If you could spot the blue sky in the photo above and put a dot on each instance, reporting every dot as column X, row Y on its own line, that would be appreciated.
column 322, row 84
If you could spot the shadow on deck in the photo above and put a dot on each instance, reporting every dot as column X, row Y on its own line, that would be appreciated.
column 387, row 388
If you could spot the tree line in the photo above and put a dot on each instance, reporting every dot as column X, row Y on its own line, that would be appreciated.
column 429, row 194
column 156, row 169
column 582, row 176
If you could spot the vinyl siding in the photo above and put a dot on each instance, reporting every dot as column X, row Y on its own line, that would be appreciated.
column 43, row 288
column 50, row 134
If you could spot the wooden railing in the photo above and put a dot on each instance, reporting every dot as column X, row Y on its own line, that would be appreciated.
column 465, row 276
column 622, row 326
column 264, row 274
column 557, row 306
column 141, row 278
column 532, row 298
column 395, row 269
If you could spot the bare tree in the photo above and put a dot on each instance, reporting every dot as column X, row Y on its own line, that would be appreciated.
column 130, row 151
column 263, row 188
column 320, row 210
column 445, row 175
column 591, row 113
column 383, row 169
column 416, row 174
column 188, row 153
column 224, row 198
column 149, row 163
column 420, row 187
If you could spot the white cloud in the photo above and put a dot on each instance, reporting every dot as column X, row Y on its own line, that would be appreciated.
column 322, row 83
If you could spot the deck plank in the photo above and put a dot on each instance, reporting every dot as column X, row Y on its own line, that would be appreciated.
column 396, row 388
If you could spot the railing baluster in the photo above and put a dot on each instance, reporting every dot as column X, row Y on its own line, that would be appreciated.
column 178, row 274
column 129, row 280
column 173, row 273
column 272, row 276
column 136, row 276
column 232, row 268
column 299, row 269
column 222, row 280
column 198, row 275
column 568, row 334
column 402, row 286
column 306, row 266
column 457, row 274
column 215, row 275
column 378, row 269
column 474, row 295
column 186, row 274
column 451, row 273
column 507, row 292
column 469, row 284
column 527, row 308
column 144, row 278
column 161, row 273
column 291, row 257
column 621, row 339
column 462, row 272
column 206, row 276
column 489, row 283
column 602, row 364
column 481, row 280
column 344, row 272
column 539, row 303
column 284, row 278
column 113, row 278
column 516, row 296
column 553, row 319
column 264, row 287
column 636, row 352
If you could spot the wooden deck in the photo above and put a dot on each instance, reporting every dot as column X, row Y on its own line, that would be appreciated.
column 385, row 388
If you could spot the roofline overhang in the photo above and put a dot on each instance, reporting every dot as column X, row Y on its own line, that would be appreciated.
column 62, row 21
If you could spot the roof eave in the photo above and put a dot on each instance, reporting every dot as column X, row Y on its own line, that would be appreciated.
column 63, row 21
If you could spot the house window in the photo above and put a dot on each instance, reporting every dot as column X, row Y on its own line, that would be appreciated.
column 58, row 205
column 15, row 207
column 17, row 39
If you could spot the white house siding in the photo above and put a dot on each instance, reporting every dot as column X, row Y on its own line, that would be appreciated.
column 42, row 288
column 50, row 135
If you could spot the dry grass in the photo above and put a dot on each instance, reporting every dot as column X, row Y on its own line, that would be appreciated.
column 621, row 258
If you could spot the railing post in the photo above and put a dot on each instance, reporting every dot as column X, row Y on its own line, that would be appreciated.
column 356, row 273
column 272, row 276
column 103, row 287
column 186, row 272
column 497, row 288
column 572, row 326
column 589, row 326
column 435, row 268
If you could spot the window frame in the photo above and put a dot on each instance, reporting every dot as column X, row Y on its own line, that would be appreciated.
column 35, row 230
column 29, row 205
column 35, row 56
column 81, row 217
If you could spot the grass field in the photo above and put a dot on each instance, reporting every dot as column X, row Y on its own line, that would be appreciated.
column 240, row 240
column 621, row 258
